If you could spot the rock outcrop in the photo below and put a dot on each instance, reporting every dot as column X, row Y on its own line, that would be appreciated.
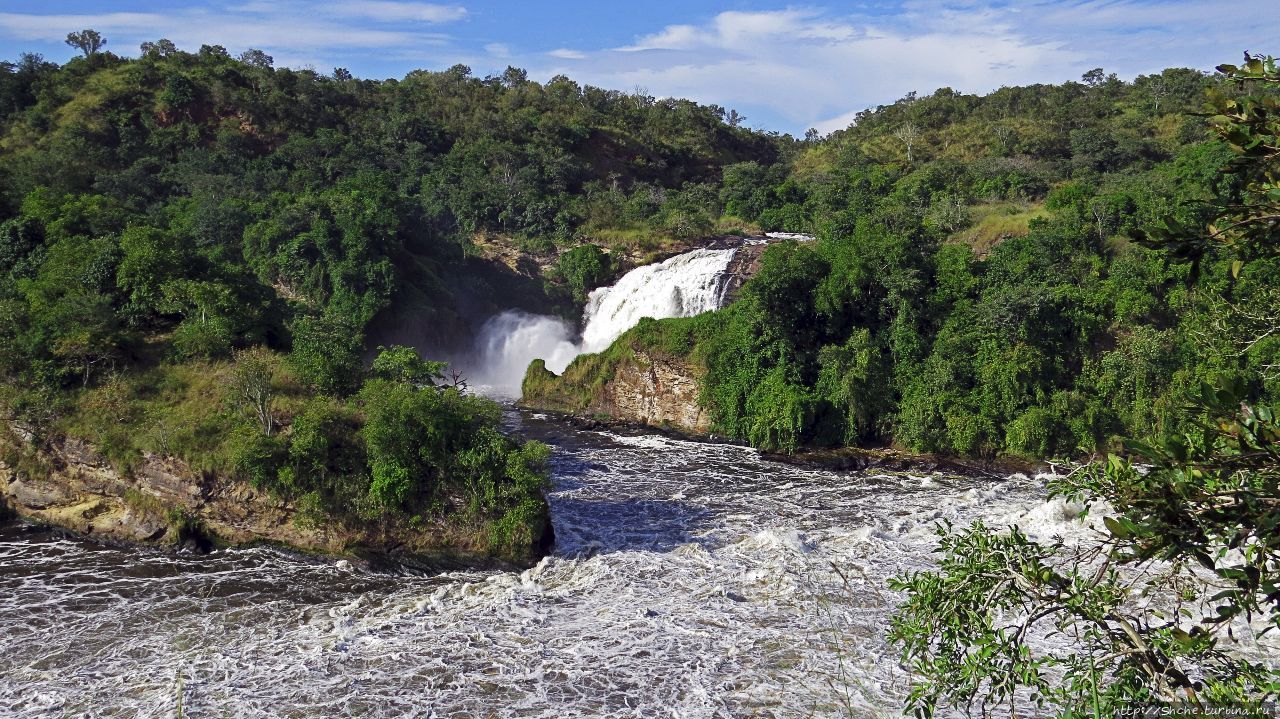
column 641, row 388
column 162, row 501
column 655, row 391
column 744, row 265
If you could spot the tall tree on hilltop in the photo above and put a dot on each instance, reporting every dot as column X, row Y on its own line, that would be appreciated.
column 86, row 41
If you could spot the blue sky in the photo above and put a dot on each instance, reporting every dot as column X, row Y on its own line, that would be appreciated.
column 787, row 67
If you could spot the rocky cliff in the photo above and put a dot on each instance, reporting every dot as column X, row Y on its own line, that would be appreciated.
column 161, row 501
column 639, row 387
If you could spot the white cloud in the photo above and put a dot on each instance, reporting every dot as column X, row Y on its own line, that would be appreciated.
column 786, row 69
column 386, row 11
column 802, row 67
column 310, row 32
column 55, row 27
column 810, row 69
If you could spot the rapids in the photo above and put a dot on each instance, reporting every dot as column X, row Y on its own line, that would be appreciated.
column 688, row 580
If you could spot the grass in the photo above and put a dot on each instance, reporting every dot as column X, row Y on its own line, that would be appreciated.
column 186, row 411
column 189, row 411
column 634, row 239
column 648, row 242
column 995, row 222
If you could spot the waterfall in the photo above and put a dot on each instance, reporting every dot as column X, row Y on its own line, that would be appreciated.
column 682, row 286
column 509, row 341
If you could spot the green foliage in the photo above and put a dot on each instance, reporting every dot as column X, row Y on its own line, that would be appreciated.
column 583, row 269
column 404, row 364
column 1191, row 550
column 421, row 442
column 87, row 41
column 1243, row 217
column 327, row 462
column 1205, row 501
column 964, row 631
column 413, row 436
column 326, row 353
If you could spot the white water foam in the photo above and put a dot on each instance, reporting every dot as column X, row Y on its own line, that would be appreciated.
column 508, row 342
column 689, row 580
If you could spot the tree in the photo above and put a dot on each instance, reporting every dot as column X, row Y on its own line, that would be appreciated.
column 1194, row 517
column 404, row 364
column 965, row 628
column 88, row 42
column 583, row 269
column 908, row 134
column 326, row 353
column 252, row 377
column 150, row 258
column 257, row 58
column 1157, row 90
column 1246, row 221
column 159, row 48
column 85, row 333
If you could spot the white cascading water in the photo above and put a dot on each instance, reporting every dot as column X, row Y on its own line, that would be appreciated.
column 688, row 580
column 509, row 341
column 682, row 286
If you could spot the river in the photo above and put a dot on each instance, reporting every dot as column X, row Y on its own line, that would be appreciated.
column 688, row 580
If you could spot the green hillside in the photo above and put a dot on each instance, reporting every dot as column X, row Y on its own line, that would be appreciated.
column 199, row 253
column 977, row 287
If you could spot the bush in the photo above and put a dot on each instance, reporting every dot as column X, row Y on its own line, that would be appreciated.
column 210, row 339
column 326, row 353
column 258, row 458
column 584, row 268
column 1038, row 432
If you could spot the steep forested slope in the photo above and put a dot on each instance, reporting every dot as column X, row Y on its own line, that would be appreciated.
column 195, row 248
column 977, row 286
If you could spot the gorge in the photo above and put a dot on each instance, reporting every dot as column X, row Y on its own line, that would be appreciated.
column 335, row 396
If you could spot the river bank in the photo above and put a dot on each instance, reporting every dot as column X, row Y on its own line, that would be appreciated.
column 833, row 459
column 161, row 501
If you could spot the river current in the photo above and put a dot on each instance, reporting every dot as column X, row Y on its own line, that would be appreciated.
column 688, row 580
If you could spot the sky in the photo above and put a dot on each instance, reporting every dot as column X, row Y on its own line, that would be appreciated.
column 786, row 67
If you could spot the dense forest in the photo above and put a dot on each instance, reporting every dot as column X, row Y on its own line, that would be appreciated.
column 199, row 255
column 195, row 247
column 983, row 282
column 977, row 288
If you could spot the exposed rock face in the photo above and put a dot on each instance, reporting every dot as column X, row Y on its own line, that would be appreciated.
column 70, row 485
column 744, row 265
column 655, row 391
column 642, row 388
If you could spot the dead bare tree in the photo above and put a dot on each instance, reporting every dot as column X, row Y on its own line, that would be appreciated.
column 909, row 135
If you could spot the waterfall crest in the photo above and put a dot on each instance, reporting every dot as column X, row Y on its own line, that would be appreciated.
column 681, row 286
